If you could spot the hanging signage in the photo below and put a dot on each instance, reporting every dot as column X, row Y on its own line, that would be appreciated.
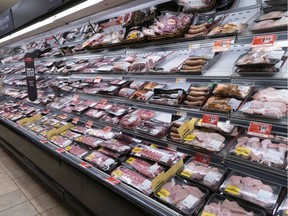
column 30, row 76
column 259, row 129
column 6, row 22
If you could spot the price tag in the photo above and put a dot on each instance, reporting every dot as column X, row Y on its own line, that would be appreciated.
column 107, row 129
column 130, row 160
column 194, row 46
column 264, row 40
column 202, row 158
column 75, row 120
column 59, row 150
column 113, row 181
column 75, row 97
column 163, row 193
column 243, row 151
column 117, row 173
column 210, row 120
column 207, row 214
column 89, row 124
column 222, row 45
column 259, row 129
column 137, row 150
column 85, row 165
column 187, row 127
column 180, row 80
column 186, row 173
column 232, row 190
column 181, row 113
column 97, row 79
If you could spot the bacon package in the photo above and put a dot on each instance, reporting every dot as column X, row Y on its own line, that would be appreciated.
column 101, row 161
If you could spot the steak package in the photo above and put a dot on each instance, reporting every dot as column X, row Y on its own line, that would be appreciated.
column 209, row 175
column 148, row 169
column 70, row 134
column 94, row 113
column 133, row 179
column 153, row 128
column 101, row 161
column 182, row 196
column 115, row 145
column 60, row 141
column 106, row 135
column 109, row 152
column 88, row 141
column 130, row 121
column 76, row 150
column 251, row 189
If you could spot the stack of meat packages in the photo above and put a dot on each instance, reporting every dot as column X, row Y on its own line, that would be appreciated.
column 269, row 102
column 271, row 21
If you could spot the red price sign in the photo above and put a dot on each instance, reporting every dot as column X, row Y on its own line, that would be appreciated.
column 113, row 181
column 44, row 141
column 264, row 40
column 259, row 129
column 89, row 124
column 75, row 120
column 202, row 158
column 107, row 129
column 59, row 150
column 210, row 120
column 222, row 45
column 85, row 164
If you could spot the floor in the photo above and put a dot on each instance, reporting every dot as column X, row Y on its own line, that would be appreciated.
column 23, row 194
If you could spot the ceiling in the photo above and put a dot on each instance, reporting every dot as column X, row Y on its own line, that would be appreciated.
column 6, row 4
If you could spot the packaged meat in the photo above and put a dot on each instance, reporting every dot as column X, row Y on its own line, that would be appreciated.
column 70, row 134
column 153, row 128
column 270, row 25
column 110, row 118
column 119, row 82
column 259, row 150
column 101, row 161
column 209, row 175
column 80, row 109
column 137, row 85
column 68, row 109
column 103, row 105
column 109, row 152
column 90, row 103
column 106, row 135
column 88, row 141
column 221, row 104
column 211, row 141
column 173, row 132
column 154, row 85
column 251, row 189
column 196, row 5
column 232, row 90
column 39, row 128
column 225, row 127
column 283, row 208
column 197, row 30
column 130, row 121
column 117, row 146
column 219, row 205
column 121, row 66
column 126, row 92
column 272, row 15
column 145, row 114
column 148, row 169
column 229, row 28
column 79, row 129
column 182, row 196
column 143, row 95
column 133, row 179
column 108, row 89
column 76, row 150
column 197, row 95
column 158, row 155
column 94, row 113
column 118, row 110
column 168, row 97
column 60, row 141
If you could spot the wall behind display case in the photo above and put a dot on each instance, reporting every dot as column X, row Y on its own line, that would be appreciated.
column 6, row 22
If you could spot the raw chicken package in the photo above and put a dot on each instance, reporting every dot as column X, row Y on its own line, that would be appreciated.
column 133, row 179
column 259, row 150
column 269, row 102
column 182, row 196
column 229, row 90
column 221, row 104
column 219, row 205
column 224, row 127
column 148, row 169
column 101, row 161
column 209, row 175
column 115, row 145
column 76, row 150
column 157, row 155
column 88, row 141
column 283, row 208
column 60, row 141
column 153, row 128
column 251, row 189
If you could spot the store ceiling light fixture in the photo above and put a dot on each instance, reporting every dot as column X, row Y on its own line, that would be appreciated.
column 72, row 10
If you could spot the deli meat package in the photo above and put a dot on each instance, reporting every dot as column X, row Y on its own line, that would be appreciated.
column 251, row 189
column 101, row 161
column 148, row 169
column 219, row 205
column 259, row 150
column 209, row 175
column 269, row 102
column 88, row 141
column 76, row 150
column 115, row 145
column 182, row 196
column 133, row 179
column 158, row 155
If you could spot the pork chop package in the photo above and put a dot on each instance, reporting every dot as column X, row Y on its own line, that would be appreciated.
column 76, row 150
column 153, row 128
column 263, row 151
column 101, row 161
column 115, row 145
column 209, row 175
column 251, row 189
column 60, row 141
column 106, row 135
column 79, row 129
column 130, row 121
column 88, row 141
column 157, row 155
column 133, row 179
column 182, row 195
column 283, row 208
column 220, row 205
column 109, row 152
column 148, row 169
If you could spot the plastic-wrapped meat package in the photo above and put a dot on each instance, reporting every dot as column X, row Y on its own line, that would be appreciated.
column 106, row 135
column 153, row 128
column 101, row 161
column 209, row 175
column 182, row 196
column 110, row 118
column 168, row 97
column 61, row 141
column 147, row 169
column 196, row 4
column 115, row 145
column 118, row 82
column 88, row 141
column 121, row 66
column 108, row 89
column 251, row 189
column 225, row 127
column 283, row 208
column 38, row 128
column 158, row 155
column 133, row 179
column 91, row 90
column 76, row 150
column 90, row 103
column 137, row 85
column 154, row 85
column 118, row 110
column 211, row 141
column 130, row 121
column 221, row 104
column 103, row 105
column 79, row 129
column 145, row 114
column 126, row 92
column 173, row 132
column 261, row 151
column 80, row 109
column 197, row 95
column 220, row 205
column 94, row 113
column 109, row 152
column 70, row 134
column 143, row 95
column 232, row 90
column 139, row 65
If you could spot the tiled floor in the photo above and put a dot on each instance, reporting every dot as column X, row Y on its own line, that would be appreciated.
column 23, row 194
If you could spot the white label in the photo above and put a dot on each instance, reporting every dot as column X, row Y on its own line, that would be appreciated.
column 153, row 168
column 123, row 148
column 190, row 201
column 245, row 89
column 66, row 143
column 264, row 196
column 133, row 118
column 276, row 54
column 108, row 162
column 165, row 158
column 215, row 144
column 212, row 177
column 234, row 103
column 146, row 185
column 274, row 156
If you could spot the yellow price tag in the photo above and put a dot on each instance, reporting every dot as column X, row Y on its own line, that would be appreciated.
column 117, row 173
column 286, row 212
column 187, row 127
column 243, row 151
column 90, row 157
column 64, row 133
column 163, row 193
column 190, row 137
column 186, row 173
column 153, row 146
column 130, row 160
column 137, row 150
column 68, row 148
column 232, row 190
column 207, row 214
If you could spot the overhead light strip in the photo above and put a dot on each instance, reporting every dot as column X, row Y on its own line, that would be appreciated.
column 72, row 10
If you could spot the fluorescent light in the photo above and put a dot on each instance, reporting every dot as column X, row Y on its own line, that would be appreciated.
column 72, row 10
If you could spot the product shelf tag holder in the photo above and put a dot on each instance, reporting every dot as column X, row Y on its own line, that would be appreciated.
column 202, row 158
column 222, row 45
column 264, row 40
column 113, row 181
column 259, row 129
